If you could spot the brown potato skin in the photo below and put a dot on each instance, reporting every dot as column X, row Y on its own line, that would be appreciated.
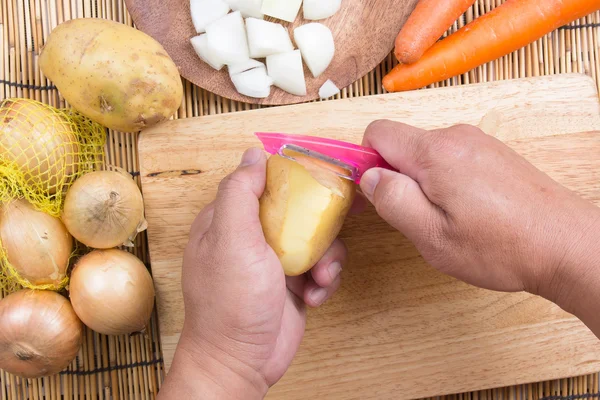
column 114, row 74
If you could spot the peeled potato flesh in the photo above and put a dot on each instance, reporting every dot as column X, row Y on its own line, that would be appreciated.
column 302, row 210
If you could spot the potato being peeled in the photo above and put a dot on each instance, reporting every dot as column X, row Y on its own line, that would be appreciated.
column 112, row 73
column 302, row 210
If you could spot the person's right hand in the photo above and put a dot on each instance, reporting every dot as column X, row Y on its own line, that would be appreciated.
column 478, row 211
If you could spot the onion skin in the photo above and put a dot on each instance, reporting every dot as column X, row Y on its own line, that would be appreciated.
column 104, row 209
column 37, row 245
column 42, row 144
column 39, row 333
column 112, row 292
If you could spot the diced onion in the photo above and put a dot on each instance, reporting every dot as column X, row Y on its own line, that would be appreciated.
column 328, row 90
column 200, row 44
column 320, row 9
column 227, row 39
column 315, row 42
column 235, row 69
column 287, row 72
column 266, row 38
column 248, row 8
column 253, row 83
column 206, row 11
column 286, row 10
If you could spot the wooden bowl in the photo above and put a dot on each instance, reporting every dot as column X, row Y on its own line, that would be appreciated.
column 364, row 32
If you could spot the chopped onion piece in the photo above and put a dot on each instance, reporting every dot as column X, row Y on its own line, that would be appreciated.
column 287, row 72
column 235, row 69
column 328, row 89
column 206, row 11
column 200, row 44
column 248, row 8
column 315, row 42
column 286, row 10
column 253, row 83
column 266, row 38
column 320, row 9
column 227, row 39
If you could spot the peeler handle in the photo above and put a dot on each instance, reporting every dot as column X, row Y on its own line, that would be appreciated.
column 360, row 157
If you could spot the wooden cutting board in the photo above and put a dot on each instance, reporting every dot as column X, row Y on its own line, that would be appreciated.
column 363, row 30
column 397, row 328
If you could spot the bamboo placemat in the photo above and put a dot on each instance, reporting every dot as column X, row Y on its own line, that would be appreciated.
column 131, row 367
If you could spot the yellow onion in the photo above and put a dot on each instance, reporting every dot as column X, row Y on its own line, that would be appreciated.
column 37, row 245
column 40, row 142
column 104, row 209
column 39, row 333
column 112, row 292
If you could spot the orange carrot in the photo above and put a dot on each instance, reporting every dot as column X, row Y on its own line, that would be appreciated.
column 426, row 24
column 507, row 28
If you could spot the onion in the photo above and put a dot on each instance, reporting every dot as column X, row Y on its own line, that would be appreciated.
column 266, row 38
column 315, row 41
column 112, row 292
column 40, row 333
column 249, row 64
column 37, row 245
column 41, row 143
column 320, row 9
column 253, row 83
column 227, row 39
column 104, row 209
column 286, row 10
column 200, row 45
column 287, row 72
column 205, row 12
column 248, row 8
column 328, row 89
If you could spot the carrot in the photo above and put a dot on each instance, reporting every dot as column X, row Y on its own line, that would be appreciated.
column 507, row 28
column 426, row 24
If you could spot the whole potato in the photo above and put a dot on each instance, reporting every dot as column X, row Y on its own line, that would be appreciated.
column 302, row 210
column 115, row 75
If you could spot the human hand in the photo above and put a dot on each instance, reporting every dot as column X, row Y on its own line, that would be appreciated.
column 478, row 211
column 244, row 319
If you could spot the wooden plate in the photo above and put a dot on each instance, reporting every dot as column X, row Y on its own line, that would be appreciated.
column 364, row 32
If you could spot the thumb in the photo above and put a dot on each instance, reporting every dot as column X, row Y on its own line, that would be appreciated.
column 400, row 201
column 236, row 207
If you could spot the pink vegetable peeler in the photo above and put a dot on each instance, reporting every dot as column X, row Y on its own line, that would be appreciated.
column 352, row 158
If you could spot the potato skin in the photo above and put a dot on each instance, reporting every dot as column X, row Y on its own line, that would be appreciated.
column 300, row 236
column 114, row 74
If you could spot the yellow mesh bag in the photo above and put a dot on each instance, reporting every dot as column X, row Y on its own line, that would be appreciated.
column 43, row 150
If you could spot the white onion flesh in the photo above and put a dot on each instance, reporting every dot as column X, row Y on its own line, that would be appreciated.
column 204, row 12
column 286, row 10
column 112, row 292
column 200, row 44
column 40, row 333
column 235, row 69
column 266, row 38
column 287, row 72
column 328, row 89
column 253, row 83
column 248, row 8
column 227, row 39
column 316, row 44
column 320, row 9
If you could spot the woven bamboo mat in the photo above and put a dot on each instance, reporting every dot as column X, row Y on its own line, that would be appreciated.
column 131, row 367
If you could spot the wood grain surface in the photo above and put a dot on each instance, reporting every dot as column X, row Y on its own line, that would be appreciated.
column 363, row 30
column 397, row 328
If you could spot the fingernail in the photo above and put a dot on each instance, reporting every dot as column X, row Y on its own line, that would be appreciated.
column 369, row 182
column 334, row 269
column 251, row 157
column 317, row 296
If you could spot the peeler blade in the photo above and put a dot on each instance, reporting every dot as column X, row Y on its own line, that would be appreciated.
column 351, row 172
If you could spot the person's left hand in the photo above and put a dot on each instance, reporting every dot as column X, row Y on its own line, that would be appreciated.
column 244, row 319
